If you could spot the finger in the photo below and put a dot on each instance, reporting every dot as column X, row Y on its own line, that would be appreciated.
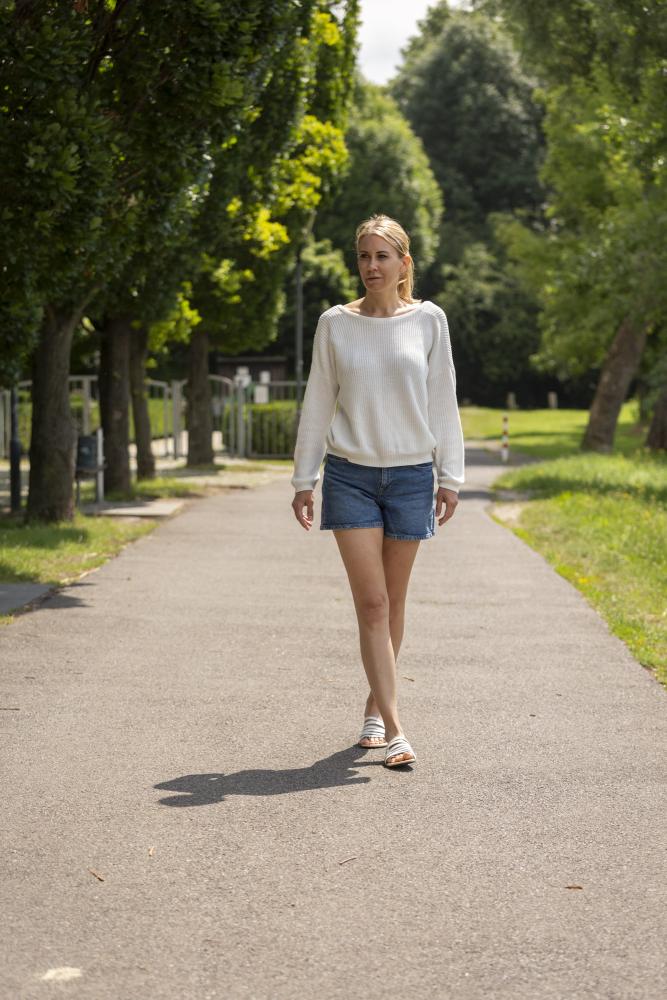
column 304, row 520
column 449, row 510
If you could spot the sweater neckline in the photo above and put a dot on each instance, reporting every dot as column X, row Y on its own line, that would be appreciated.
column 381, row 318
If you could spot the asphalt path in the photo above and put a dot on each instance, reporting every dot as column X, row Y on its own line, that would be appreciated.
column 186, row 816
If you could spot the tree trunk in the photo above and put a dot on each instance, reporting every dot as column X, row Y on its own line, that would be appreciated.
column 142, row 424
column 618, row 370
column 657, row 433
column 53, row 432
column 199, row 416
column 115, row 402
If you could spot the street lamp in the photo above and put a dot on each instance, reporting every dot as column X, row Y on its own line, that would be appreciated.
column 15, row 454
column 298, row 352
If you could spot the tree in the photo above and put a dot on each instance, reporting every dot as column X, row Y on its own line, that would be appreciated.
column 603, row 247
column 464, row 94
column 493, row 328
column 388, row 172
column 266, row 187
column 109, row 113
column 326, row 281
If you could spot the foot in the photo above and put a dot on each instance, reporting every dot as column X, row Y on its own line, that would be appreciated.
column 372, row 734
column 403, row 754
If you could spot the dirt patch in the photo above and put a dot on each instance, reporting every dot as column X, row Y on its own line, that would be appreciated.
column 508, row 511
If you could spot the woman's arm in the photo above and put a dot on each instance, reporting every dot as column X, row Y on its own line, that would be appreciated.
column 443, row 411
column 319, row 405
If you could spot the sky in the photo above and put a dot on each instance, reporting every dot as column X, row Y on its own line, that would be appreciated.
column 386, row 26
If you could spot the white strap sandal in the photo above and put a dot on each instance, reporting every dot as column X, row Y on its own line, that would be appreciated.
column 398, row 745
column 373, row 729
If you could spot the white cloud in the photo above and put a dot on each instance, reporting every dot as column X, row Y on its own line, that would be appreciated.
column 386, row 26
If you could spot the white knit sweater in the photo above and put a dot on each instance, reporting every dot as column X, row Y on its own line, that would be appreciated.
column 381, row 391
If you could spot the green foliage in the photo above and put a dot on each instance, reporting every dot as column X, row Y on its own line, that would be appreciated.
column 273, row 427
column 326, row 281
column 493, row 329
column 110, row 121
column 465, row 96
column 600, row 255
column 267, row 186
column 388, row 172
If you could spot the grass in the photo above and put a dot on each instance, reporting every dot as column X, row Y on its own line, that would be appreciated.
column 59, row 553
column 149, row 489
column 548, row 433
column 601, row 522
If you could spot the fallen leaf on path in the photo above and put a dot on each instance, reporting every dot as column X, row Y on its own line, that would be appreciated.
column 574, row 886
column 345, row 860
column 405, row 676
column 150, row 852
column 96, row 874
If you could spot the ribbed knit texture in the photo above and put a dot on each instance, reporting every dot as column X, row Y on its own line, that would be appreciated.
column 381, row 392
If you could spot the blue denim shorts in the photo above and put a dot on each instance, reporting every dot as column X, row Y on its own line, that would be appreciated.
column 399, row 499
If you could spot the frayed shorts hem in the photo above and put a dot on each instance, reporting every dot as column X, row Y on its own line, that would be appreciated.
column 343, row 527
column 409, row 538
column 378, row 524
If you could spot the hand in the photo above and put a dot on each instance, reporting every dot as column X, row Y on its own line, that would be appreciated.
column 304, row 498
column 450, row 499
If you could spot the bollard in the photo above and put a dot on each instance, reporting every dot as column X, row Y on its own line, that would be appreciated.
column 505, row 443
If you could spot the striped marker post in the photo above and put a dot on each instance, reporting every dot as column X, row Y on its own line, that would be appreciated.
column 505, row 442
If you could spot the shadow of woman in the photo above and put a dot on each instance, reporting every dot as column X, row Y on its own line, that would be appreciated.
column 206, row 789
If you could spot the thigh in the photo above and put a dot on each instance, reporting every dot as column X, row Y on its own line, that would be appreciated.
column 398, row 557
column 361, row 552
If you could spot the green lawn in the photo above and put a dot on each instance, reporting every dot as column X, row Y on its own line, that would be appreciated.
column 56, row 554
column 59, row 553
column 547, row 433
column 601, row 521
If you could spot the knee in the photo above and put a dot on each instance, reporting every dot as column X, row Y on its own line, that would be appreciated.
column 373, row 609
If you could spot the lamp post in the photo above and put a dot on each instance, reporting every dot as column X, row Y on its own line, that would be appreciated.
column 298, row 345
column 15, row 454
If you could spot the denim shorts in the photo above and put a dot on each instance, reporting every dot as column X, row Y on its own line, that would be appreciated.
column 399, row 498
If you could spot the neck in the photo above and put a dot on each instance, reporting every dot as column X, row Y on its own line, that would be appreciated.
column 378, row 304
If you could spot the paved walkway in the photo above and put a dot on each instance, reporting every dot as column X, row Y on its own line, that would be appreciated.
column 186, row 817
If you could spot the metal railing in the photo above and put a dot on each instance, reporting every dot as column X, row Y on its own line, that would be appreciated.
column 250, row 419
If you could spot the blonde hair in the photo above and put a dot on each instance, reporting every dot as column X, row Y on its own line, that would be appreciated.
column 393, row 232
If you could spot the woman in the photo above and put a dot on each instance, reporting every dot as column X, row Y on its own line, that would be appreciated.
column 381, row 402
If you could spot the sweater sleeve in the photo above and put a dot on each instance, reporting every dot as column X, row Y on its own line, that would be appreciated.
column 443, row 411
column 319, row 405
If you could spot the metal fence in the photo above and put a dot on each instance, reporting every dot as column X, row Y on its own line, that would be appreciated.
column 250, row 419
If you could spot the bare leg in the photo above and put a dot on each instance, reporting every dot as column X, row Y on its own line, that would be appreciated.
column 363, row 553
column 398, row 558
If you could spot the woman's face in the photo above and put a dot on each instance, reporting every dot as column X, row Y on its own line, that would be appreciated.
column 380, row 266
